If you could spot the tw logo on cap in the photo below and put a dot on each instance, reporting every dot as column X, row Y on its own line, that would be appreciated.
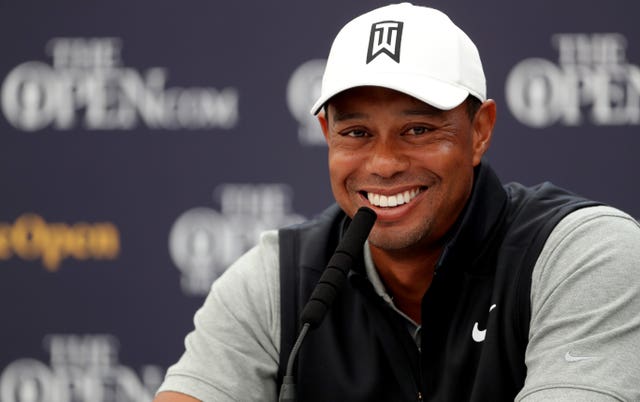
column 385, row 38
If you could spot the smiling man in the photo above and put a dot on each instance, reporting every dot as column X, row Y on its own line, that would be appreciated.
column 467, row 290
column 412, row 163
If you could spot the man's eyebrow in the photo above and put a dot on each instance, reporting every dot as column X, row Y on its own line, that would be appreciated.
column 422, row 111
column 342, row 116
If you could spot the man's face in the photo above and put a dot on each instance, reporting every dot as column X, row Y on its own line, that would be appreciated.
column 408, row 161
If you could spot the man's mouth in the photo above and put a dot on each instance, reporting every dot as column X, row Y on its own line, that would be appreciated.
column 389, row 201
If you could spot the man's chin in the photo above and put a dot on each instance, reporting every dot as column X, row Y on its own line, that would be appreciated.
column 395, row 240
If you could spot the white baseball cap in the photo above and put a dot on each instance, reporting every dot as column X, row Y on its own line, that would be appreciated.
column 412, row 49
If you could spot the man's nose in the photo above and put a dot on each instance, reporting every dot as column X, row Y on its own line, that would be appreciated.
column 387, row 158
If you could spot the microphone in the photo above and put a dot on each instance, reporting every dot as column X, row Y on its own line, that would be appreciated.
column 332, row 280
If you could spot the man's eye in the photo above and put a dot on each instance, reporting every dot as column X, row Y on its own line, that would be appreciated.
column 355, row 133
column 419, row 130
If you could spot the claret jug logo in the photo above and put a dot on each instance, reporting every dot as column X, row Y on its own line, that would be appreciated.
column 385, row 38
column 87, row 85
column 592, row 82
column 81, row 368
column 203, row 242
column 302, row 91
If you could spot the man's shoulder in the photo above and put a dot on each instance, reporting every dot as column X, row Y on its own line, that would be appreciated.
column 600, row 211
column 607, row 220
column 545, row 191
column 599, row 227
column 544, row 201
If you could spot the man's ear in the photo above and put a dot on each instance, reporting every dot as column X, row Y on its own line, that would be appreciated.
column 324, row 124
column 482, row 126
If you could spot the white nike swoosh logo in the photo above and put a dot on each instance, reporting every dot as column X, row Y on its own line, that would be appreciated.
column 477, row 334
column 568, row 357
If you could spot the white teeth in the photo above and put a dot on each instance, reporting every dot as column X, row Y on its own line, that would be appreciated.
column 392, row 200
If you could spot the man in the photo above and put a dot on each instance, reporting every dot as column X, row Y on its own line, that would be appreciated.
column 467, row 289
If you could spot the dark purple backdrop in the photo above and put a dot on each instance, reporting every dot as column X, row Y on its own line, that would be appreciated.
column 145, row 144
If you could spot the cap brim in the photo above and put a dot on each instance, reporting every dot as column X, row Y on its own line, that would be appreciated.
column 441, row 95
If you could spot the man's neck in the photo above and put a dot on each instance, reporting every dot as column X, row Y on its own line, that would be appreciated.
column 406, row 276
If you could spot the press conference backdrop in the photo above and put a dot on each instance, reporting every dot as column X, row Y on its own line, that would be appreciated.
column 145, row 144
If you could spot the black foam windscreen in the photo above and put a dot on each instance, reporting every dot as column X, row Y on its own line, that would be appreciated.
column 348, row 251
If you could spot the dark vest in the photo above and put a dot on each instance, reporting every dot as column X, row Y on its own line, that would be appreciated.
column 362, row 351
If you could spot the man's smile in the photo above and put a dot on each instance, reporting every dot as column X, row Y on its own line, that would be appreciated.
column 389, row 201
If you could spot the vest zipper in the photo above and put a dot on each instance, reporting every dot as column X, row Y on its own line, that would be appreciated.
column 419, row 380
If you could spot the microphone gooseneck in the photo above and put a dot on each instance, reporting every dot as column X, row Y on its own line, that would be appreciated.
column 332, row 280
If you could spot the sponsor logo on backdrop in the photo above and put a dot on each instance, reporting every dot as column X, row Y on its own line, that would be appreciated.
column 203, row 242
column 302, row 91
column 81, row 368
column 30, row 237
column 591, row 82
column 88, row 85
